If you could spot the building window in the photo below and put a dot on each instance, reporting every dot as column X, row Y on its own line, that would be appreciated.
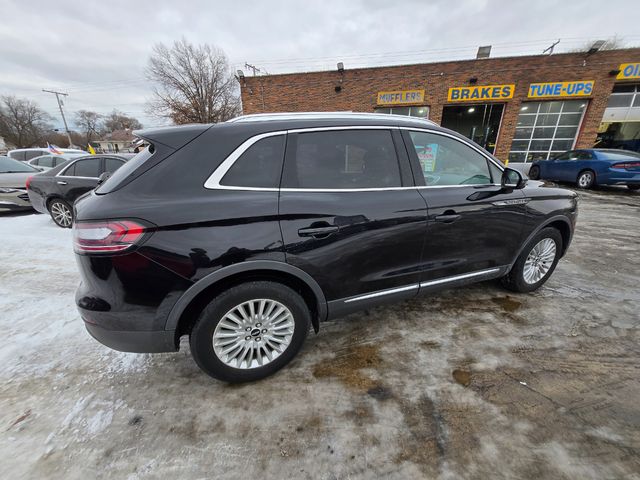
column 420, row 111
column 545, row 129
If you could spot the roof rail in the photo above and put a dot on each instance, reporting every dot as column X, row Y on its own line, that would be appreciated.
column 264, row 117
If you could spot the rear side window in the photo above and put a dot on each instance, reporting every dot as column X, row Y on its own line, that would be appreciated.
column 259, row 166
column 112, row 164
column 343, row 159
column 29, row 154
column 123, row 172
column 84, row 168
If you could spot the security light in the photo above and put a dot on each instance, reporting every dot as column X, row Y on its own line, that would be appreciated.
column 340, row 67
column 240, row 74
column 614, row 73
column 473, row 80
column 471, row 110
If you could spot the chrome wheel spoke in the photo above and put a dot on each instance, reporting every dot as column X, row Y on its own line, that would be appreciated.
column 539, row 261
column 253, row 333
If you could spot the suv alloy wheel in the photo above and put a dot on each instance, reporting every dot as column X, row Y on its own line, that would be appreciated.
column 250, row 331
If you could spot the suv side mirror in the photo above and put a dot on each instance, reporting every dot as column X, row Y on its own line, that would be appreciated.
column 103, row 176
column 512, row 179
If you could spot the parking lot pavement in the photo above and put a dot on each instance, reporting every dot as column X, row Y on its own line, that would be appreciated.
column 467, row 383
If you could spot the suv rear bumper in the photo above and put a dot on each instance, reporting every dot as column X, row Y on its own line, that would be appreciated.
column 134, row 341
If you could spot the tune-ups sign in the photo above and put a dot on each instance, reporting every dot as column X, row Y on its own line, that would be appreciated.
column 580, row 88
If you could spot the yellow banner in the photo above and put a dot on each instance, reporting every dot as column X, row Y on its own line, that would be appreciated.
column 480, row 92
column 581, row 88
column 401, row 97
column 629, row 71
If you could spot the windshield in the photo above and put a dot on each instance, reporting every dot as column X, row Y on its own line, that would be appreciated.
column 123, row 172
column 9, row 165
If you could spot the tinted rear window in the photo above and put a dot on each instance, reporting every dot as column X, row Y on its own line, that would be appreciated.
column 123, row 172
column 259, row 167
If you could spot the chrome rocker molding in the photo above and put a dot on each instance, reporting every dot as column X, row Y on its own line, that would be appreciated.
column 430, row 283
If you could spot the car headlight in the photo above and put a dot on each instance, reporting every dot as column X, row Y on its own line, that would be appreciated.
column 8, row 190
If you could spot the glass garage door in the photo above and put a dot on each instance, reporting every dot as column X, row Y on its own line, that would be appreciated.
column 420, row 111
column 545, row 129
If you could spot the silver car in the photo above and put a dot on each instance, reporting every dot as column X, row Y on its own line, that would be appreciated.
column 13, row 178
column 49, row 161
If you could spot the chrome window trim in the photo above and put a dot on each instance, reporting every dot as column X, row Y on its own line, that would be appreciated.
column 429, row 283
column 213, row 182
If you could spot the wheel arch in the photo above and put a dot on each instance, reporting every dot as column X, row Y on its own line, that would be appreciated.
column 560, row 223
column 190, row 304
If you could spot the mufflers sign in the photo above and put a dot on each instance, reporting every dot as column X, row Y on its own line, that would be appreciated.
column 480, row 92
column 401, row 97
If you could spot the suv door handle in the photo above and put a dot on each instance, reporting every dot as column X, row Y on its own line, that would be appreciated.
column 318, row 232
column 447, row 217
column 60, row 182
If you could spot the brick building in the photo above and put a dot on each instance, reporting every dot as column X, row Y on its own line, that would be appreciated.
column 521, row 108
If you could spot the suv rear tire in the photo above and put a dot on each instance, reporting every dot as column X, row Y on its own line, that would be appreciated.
column 61, row 213
column 250, row 331
column 536, row 262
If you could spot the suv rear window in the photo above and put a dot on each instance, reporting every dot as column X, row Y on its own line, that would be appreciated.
column 123, row 172
column 343, row 159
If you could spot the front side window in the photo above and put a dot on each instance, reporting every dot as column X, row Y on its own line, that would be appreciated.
column 259, row 166
column 84, row 168
column 343, row 159
column 446, row 161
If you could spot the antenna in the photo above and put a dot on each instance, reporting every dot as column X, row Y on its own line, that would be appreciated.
column 550, row 48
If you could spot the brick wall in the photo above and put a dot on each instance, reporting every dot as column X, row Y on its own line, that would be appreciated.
column 315, row 91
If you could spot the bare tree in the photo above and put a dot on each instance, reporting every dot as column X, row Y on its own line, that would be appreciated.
column 119, row 121
column 22, row 122
column 194, row 84
column 88, row 122
column 612, row 43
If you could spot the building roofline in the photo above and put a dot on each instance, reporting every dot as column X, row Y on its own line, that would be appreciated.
column 446, row 62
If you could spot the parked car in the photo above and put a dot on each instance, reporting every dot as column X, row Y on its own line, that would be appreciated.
column 46, row 162
column 591, row 167
column 13, row 178
column 55, row 190
column 244, row 234
column 24, row 154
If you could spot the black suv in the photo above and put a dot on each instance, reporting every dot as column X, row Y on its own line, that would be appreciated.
column 244, row 234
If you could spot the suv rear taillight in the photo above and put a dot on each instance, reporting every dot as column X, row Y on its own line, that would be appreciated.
column 627, row 165
column 111, row 236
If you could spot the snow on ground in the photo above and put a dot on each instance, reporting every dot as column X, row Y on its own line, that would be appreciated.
column 466, row 383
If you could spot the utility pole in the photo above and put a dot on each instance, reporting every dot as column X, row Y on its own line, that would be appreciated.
column 66, row 128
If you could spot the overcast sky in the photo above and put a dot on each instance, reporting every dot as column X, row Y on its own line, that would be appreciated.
column 97, row 50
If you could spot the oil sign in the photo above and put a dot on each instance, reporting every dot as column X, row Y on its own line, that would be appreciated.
column 481, row 92
column 628, row 71
column 401, row 97
column 582, row 88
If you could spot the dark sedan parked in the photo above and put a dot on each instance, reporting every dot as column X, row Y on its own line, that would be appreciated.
column 590, row 167
column 55, row 190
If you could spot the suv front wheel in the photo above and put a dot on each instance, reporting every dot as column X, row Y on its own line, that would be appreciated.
column 536, row 262
column 250, row 331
